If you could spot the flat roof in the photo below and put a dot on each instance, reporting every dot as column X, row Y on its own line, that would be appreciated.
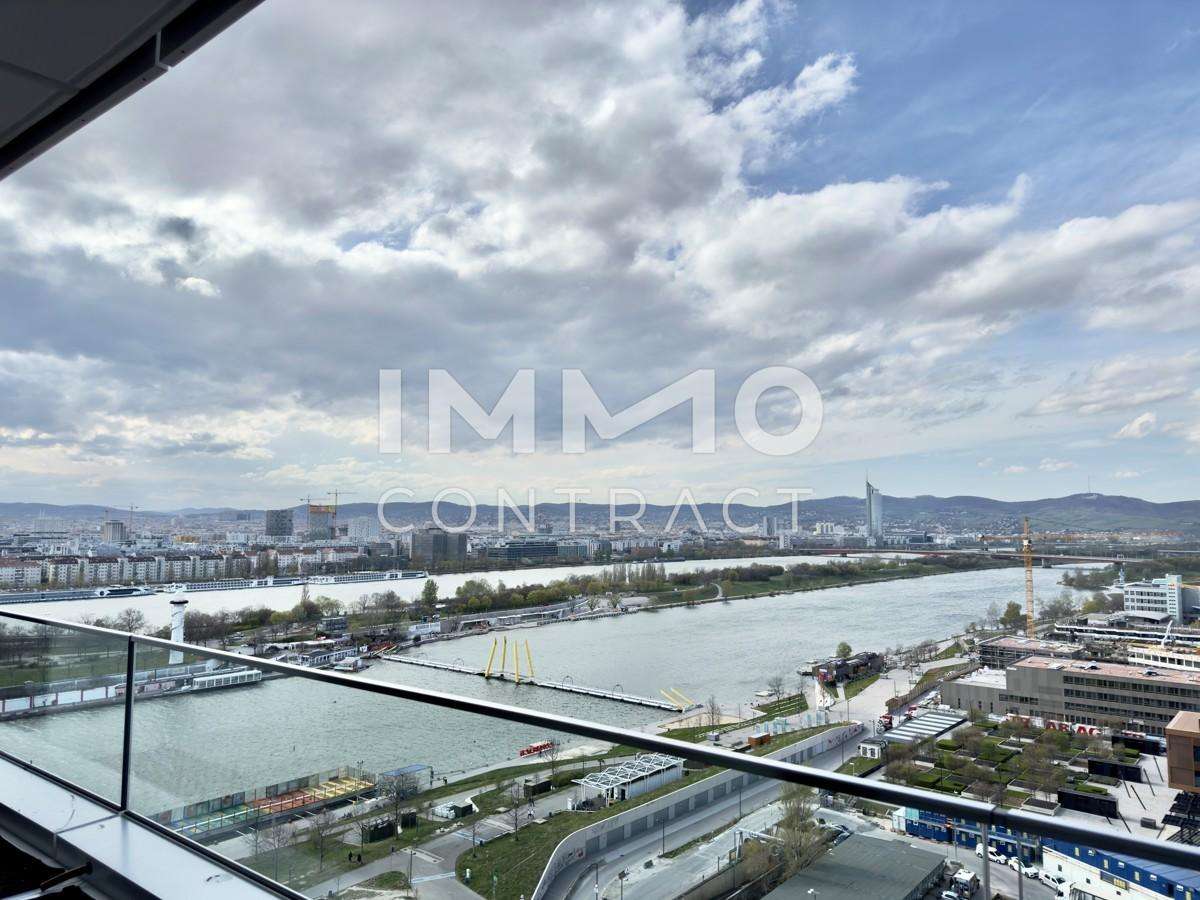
column 985, row 677
column 861, row 867
column 1115, row 670
column 1034, row 645
column 1185, row 722
column 929, row 725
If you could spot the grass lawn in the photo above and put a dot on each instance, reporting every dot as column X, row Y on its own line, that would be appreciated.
column 856, row 687
column 859, row 765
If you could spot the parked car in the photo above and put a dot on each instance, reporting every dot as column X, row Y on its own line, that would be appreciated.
column 1029, row 871
column 948, row 895
column 1052, row 881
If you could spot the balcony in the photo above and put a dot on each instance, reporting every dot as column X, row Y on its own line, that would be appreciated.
column 135, row 766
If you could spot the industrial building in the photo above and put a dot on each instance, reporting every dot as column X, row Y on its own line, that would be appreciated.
column 864, row 866
column 645, row 772
column 1079, row 692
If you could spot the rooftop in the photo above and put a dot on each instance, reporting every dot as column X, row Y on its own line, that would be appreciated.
column 929, row 725
column 1035, row 645
column 985, row 678
column 1116, row 670
column 863, row 867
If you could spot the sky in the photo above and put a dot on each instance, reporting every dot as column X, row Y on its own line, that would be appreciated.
column 973, row 228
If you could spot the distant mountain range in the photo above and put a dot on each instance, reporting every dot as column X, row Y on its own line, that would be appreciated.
column 1083, row 512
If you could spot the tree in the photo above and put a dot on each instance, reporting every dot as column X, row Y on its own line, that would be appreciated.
column 800, row 836
column 775, row 685
column 552, row 756
column 1013, row 616
column 1062, row 607
column 397, row 790
column 713, row 710
column 131, row 620
column 429, row 593
column 321, row 826
column 275, row 838
column 843, row 650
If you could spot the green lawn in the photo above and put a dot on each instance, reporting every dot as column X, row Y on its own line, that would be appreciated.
column 854, row 688
column 859, row 765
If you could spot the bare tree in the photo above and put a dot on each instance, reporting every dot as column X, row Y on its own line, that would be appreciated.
column 515, row 796
column 775, row 685
column 321, row 828
column 713, row 710
column 553, row 755
column 274, row 838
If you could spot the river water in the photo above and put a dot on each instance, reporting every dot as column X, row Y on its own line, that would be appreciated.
column 189, row 748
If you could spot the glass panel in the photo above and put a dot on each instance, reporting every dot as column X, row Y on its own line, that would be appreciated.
column 61, row 702
column 329, row 789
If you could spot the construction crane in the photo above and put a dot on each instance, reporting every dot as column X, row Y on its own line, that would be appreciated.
column 335, row 494
column 1027, row 557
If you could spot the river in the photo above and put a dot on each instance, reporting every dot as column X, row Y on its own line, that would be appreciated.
column 189, row 748
column 157, row 609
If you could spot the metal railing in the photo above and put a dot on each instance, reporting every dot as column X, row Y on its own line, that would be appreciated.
column 987, row 815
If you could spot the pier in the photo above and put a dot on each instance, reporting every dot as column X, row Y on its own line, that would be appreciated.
column 570, row 688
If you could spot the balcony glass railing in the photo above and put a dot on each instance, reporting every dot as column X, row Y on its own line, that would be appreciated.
column 326, row 783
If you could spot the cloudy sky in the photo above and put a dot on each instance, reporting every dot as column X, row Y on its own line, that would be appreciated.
column 974, row 228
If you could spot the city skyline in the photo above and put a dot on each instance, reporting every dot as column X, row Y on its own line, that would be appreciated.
column 990, row 276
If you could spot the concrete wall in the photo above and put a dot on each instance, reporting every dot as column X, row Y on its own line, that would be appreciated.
column 594, row 840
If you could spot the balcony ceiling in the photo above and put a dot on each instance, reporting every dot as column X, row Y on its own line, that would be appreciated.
column 64, row 62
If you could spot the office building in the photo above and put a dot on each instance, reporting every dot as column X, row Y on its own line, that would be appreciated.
column 433, row 546
column 1095, row 695
column 114, row 532
column 874, row 513
column 1166, row 596
column 321, row 519
column 278, row 523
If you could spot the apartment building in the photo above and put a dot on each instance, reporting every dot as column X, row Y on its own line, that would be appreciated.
column 1166, row 596
column 20, row 574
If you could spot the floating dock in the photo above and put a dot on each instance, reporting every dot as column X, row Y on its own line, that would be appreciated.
column 567, row 686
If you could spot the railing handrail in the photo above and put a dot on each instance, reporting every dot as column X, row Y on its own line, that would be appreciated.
column 951, row 805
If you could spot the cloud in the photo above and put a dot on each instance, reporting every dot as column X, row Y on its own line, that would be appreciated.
column 985, row 463
column 1055, row 465
column 1015, row 470
column 626, row 189
column 1138, row 427
column 1126, row 473
column 1122, row 383
column 198, row 285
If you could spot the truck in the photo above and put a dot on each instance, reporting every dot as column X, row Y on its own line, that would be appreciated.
column 965, row 883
